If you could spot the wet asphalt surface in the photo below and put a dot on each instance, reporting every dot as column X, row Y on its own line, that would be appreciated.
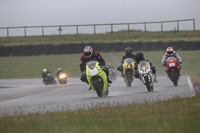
column 22, row 96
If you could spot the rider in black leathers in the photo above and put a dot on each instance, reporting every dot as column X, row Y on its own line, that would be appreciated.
column 128, row 54
column 89, row 55
column 139, row 56
column 44, row 73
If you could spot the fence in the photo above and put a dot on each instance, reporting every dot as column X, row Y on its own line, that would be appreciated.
column 94, row 26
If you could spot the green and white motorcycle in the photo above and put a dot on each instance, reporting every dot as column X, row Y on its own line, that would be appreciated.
column 97, row 78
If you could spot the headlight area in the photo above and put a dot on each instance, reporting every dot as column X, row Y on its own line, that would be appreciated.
column 62, row 76
column 93, row 72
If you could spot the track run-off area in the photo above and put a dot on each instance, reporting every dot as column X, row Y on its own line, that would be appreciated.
column 22, row 96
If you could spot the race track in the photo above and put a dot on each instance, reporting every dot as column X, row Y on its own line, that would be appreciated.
column 21, row 96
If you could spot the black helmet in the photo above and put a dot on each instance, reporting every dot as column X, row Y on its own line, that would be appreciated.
column 139, row 55
column 128, row 51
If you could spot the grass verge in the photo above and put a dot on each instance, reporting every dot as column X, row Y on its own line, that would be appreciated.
column 174, row 115
column 32, row 66
column 196, row 80
column 115, row 37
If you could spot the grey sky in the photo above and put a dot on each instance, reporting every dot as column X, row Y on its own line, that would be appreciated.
column 64, row 12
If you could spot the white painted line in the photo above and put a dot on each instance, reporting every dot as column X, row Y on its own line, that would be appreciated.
column 192, row 89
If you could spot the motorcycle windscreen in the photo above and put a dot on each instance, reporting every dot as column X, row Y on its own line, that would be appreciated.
column 128, row 60
column 143, row 64
column 171, row 58
column 91, row 64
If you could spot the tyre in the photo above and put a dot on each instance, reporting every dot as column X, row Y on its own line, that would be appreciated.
column 174, row 77
column 45, row 82
column 98, row 86
column 129, row 79
column 147, row 83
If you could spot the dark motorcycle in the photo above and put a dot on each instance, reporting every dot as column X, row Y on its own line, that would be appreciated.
column 62, row 78
column 49, row 79
column 173, row 70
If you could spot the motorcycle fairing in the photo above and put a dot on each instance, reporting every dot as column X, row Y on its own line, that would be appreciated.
column 93, row 69
column 128, row 66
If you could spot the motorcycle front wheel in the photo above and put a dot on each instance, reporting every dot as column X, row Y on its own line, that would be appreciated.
column 129, row 78
column 147, row 83
column 174, row 77
column 98, row 86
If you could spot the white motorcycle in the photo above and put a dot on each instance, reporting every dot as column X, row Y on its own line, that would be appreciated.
column 145, row 74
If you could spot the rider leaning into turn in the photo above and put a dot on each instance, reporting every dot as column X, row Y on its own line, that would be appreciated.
column 44, row 73
column 139, row 56
column 59, row 71
column 128, row 54
column 171, row 53
column 89, row 55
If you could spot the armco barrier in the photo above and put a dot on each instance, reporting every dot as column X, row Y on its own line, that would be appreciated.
column 47, row 49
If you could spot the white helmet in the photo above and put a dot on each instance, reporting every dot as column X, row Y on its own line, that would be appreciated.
column 44, row 70
column 59, row 69
column 170, row 51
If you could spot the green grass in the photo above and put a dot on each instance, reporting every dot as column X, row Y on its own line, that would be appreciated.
column 32, row 66
column 179, row 115
column 115, row 37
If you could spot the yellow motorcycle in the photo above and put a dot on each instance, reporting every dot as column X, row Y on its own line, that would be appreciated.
column 97, row 78
column 128, row 71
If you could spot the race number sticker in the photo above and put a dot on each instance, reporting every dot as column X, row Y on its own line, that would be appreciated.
column 171, row 64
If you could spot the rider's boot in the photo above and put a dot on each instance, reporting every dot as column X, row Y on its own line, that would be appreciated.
column 90, row 88
column 109, row 81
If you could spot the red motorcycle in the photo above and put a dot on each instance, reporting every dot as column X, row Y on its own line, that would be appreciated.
column 173, row 70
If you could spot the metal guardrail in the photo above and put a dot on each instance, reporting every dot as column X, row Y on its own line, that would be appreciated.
column 95, row 25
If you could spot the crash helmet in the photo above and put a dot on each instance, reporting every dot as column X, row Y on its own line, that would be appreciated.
column 170, row 51
column 88, row 51
column 44, row 70
column 128, row 51
column 59, row 69
column 139, row 56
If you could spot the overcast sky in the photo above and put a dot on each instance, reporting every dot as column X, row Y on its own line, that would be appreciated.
column 64, row 12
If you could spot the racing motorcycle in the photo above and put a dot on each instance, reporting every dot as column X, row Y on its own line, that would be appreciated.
column 173, row 70
column 128, row 71
column 49, row 79
column 97, row 78
column 146, row 75
column 62, row 78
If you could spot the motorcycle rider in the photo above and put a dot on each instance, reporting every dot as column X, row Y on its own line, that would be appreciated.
column 171, row 53
column 139, row 56
column 44, row 73
column 89, row 55
column 59, row 71
column 128, row 54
